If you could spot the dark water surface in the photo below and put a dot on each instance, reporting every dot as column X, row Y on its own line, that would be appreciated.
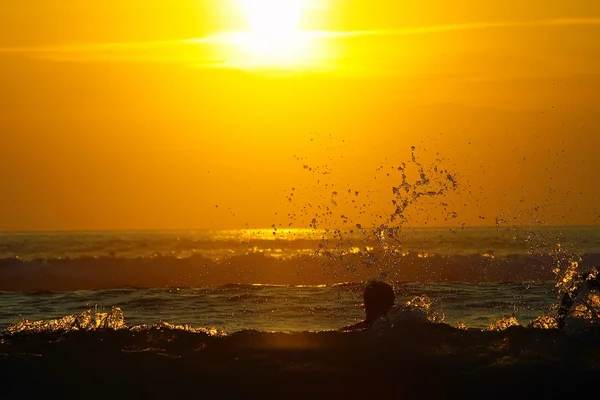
column 251, row 313
column 282, row 308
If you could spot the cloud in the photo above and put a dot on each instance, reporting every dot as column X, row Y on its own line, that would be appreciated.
column 420, row 30
column 211, row 51
column 146, row 51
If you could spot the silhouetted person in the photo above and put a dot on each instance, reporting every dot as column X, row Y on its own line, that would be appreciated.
column 589, row 281
column 379, row 299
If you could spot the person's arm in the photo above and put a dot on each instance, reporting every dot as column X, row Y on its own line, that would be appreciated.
column 360, row 326
column 565, row 305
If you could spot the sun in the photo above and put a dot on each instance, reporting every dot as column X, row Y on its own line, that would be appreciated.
column 273, row 39
column 274, row 35
column 273, row 16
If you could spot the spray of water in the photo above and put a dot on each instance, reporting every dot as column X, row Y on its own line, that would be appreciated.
column 373, row 232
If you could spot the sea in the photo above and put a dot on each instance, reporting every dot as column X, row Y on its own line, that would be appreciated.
column 175, row 313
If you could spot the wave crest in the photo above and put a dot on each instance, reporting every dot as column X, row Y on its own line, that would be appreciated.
column 196, row 271
column 89, row 320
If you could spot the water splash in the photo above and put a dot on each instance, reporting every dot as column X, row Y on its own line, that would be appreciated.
column 544, row 322
column 95, row 320
column 432, row 309
column 569, row 281
column 419, row 310
column 166, row 326
column 413, row 186
column 461, row 325
column 504, row 323
column 581, row 304
column 567, row 265
column 89, row 320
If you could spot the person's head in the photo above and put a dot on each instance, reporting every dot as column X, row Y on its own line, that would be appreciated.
column 378, row 298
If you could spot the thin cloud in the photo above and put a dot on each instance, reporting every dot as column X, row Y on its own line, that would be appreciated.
column 464, row 27
column 91, row 47
column 166, row 49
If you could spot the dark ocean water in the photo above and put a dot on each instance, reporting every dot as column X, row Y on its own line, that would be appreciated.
column 232, row 308
column 229, row 313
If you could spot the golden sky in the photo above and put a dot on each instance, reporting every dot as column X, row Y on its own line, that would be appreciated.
column 189, row 114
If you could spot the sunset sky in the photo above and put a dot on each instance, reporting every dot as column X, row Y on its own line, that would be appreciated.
column 194, row 114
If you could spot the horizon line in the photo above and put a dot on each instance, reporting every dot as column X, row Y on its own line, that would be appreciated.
column 282, row 229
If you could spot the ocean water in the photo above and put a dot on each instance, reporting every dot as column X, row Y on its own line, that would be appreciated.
column 233, row 313
column 232, row 308
column 284, row 280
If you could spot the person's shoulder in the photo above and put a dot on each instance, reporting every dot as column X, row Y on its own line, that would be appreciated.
column 402, row 312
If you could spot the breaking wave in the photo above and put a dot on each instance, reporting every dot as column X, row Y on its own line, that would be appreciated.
column 196, row 271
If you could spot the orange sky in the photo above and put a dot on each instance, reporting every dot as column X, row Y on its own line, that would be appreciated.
column 136, row 114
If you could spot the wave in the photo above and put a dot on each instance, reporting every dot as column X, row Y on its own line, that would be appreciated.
column 98, row 355
column 87, row 273
column 250, row 297
column 288, row 242
column 417, row 312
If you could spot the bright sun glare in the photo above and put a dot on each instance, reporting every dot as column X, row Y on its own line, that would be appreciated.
column 274, row 36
